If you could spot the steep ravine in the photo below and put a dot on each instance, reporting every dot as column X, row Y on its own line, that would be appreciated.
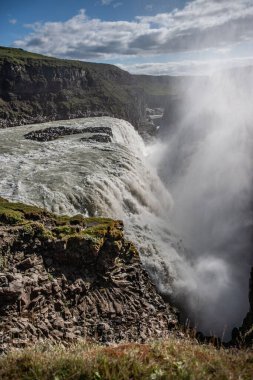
column 36, row 88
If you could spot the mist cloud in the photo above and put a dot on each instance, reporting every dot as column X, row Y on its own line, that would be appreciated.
column 206, row 163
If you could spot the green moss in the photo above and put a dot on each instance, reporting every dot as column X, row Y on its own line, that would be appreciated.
column 64, row 230
column 31, row 230
column 77, row 219
column 21, row 212
column 78, row 232
column 8, row 216
column 41, row 232
column 78, row 239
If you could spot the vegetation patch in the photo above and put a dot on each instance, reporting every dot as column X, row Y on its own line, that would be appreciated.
column 8, row 216
column 77, row 231
column 171, row 359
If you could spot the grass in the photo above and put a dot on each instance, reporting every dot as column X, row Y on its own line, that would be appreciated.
column 21, row 57
column 172, row 359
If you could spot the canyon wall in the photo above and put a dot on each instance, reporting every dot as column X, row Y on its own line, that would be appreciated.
column 35, row 88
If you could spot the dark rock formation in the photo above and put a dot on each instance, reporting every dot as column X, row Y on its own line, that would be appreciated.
column 65, row 279
column 100, row 134
column 244, row 336
column 51, row 133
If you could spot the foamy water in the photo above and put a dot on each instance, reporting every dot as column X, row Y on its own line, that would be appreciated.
column 118, row 179
column 70, row 176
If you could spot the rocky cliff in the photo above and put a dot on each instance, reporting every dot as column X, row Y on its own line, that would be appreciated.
column 35, row 88
column 245, row 334
column 69, row 278
column 160, row 90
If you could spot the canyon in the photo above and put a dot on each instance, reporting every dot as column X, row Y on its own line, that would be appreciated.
column 84, row 157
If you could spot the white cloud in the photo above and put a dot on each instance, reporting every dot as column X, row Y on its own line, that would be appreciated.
column 201, row 24
column 187, row 67
column 13, row 21
column 106, row 2
column 116, row 5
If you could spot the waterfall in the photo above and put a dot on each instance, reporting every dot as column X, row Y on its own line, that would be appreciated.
column 113, row 179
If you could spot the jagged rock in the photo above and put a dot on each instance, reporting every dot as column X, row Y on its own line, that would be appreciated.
column 24, row 299
column 25, row 264
column 93, row 288
column 69, row 336
column 245, row 334
column 58, row 323
column 99, row 134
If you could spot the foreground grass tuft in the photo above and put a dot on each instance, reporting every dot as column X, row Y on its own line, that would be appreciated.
column 173, row 359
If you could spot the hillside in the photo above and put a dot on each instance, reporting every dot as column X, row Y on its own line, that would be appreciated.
column 159, row 90
column 36, row 88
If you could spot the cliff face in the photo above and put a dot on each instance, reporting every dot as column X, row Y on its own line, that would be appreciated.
column 35, row 88
column 65, row 279
column 245, row 333
column 161, row 90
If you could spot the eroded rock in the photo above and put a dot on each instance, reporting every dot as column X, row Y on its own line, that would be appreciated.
column 86, row 285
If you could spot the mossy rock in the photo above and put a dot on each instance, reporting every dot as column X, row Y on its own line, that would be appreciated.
column 77, row 235
column 8, row 216
column 22, row 211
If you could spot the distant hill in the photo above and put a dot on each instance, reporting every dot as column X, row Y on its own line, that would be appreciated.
column 36, row 88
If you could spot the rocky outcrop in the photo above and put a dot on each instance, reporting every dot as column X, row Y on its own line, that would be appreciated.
column 245, row 334
column 100, row 134
column 66, row 279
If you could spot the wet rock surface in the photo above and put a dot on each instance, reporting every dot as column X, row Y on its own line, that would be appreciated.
column 51, row 133
column 244, row 335
column 98, row 138
column 77, row 280
column 99, row 134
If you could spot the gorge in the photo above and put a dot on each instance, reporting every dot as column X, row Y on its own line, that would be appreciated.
column 184, row 196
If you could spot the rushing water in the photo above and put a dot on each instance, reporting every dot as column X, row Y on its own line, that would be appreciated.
column 70, row 176
column 119, row 179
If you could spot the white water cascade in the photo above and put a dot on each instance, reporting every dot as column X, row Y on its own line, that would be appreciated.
column 119, row 179
column 70, row 176
column 205, row 160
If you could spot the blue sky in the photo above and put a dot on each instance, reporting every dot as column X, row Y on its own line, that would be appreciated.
column 144, row 36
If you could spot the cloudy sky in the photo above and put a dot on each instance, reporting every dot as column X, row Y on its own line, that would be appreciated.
column 143, row 36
